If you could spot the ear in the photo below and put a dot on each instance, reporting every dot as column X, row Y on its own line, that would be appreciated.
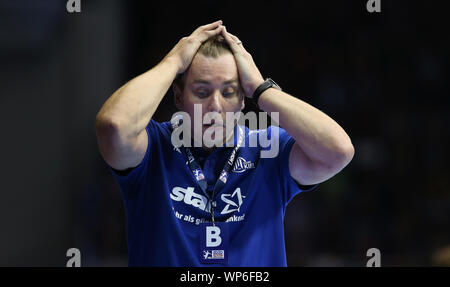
column 177, row 96
column 242, row 94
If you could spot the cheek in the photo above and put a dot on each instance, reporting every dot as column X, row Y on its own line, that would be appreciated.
column 233, row 105
column 190, row 100
column 188, row 106
column 188, row 103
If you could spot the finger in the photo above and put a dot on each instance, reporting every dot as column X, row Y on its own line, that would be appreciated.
column 232, row 41
column 210, row 26
column 208, row 34
column 236, row 39
column 213, row 24
column 238, row 42
column 206, row 28
column 214, row 32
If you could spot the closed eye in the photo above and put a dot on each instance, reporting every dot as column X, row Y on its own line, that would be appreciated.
column 229, row 91
column 202, row 93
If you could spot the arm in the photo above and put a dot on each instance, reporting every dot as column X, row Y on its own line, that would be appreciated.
column 322, row 147
column 121, row 122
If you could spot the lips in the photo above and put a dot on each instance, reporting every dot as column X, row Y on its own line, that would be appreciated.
column 214, row 124
column 213, row 127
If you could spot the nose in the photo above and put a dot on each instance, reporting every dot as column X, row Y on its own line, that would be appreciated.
column 215, row 102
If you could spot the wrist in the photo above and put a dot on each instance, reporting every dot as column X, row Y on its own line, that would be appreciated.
column 252, row 87
column 267, row 84
column 172, row 63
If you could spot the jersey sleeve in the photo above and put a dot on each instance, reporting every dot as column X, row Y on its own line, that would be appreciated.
column 129, row 179
column 290, row 187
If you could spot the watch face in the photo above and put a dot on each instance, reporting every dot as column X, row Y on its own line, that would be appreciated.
column 275, row 85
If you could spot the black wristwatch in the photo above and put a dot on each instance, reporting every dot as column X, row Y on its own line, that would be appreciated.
column 268, row 83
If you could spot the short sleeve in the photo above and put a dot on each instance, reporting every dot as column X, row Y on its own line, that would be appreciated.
column 290, row 187
column 130, row 178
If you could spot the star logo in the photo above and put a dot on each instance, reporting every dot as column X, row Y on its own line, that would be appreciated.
column 233, row 204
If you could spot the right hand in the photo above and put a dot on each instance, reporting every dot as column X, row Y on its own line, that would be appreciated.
column 185, row 50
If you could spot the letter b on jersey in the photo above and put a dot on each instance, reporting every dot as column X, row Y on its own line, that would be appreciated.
column 213, row 238
column 213, row 243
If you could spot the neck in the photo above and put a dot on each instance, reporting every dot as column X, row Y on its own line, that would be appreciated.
column 208, row 150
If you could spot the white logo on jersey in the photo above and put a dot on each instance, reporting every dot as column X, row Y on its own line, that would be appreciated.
column 227, row 199
column 190, row 197
column 242, row 165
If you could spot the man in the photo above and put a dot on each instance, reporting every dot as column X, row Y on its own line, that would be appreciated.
column 212, row 206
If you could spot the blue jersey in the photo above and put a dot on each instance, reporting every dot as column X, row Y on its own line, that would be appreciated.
column 165, row 206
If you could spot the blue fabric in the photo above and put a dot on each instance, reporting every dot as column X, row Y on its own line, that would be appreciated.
column 164, row 204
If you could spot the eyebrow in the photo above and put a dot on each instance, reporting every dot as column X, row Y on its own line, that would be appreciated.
column 200, row 81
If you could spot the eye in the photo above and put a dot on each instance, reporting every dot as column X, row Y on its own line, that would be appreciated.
column 229, row 91
column 201, row 93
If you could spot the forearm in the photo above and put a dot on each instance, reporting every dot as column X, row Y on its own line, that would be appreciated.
column 320, row 138
column 133, row 105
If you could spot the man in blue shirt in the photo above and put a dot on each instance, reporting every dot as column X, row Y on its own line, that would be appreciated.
column 212, row 200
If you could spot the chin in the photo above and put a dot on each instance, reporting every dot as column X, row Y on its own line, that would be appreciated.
column 213, row 141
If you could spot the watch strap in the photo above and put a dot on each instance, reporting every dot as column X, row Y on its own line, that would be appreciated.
column 268, row 83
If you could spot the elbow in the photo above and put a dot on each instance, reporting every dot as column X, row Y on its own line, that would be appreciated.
column 340, row 154
column 110, row 134
column 109, row 139
column 349, row 152
column 344, row 154
column 106, row 126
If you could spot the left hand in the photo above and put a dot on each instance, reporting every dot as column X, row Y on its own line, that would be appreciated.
column 249, row 74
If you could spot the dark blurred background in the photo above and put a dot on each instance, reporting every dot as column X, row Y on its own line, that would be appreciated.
column 383, row 76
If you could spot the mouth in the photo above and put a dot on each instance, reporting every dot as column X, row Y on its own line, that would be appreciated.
column 214, row 124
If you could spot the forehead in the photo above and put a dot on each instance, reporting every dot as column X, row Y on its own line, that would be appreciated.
column 214, row 70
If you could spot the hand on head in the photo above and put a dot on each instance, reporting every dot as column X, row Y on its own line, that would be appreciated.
column 185, row 50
